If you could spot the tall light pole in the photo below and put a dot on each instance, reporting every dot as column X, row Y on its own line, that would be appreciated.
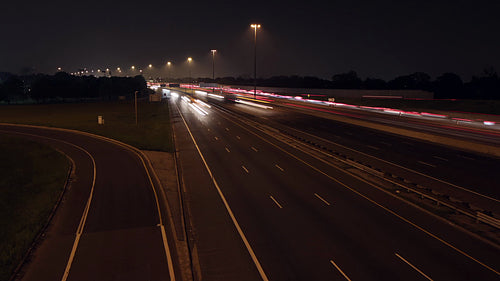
column 255, row 26
column 169, row 64
column 190, row 59
column 213, row 68
column 213, row 63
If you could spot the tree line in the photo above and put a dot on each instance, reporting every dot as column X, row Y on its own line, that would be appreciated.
column 42, row 88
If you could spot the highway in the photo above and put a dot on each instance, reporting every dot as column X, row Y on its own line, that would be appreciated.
column 109, row 224
column 260, row 209
column 465, row 175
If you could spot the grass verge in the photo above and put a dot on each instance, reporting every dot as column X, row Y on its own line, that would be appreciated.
column 153, row 131
column 32, row 177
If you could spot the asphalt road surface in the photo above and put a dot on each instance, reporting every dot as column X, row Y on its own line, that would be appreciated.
column 263, row 210
column 108, row 225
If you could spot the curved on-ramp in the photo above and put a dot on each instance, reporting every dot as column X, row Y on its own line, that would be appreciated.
column 109, row 225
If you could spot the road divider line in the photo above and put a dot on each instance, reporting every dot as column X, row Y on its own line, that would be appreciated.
column 276, row 202
column 255, row 149
column 466, row 157
column 441, row 158
column 414, row 267
column 226, row 204
column 281, row 169
column 246, row 170
column 340, row 270
column 427, row 164
column 322, row 199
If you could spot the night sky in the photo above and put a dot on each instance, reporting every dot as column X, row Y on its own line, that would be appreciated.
column 380, row 39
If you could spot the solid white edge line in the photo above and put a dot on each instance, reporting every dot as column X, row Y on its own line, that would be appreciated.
column 340, row 270
column 233, row 218
column 321, row 198
column 414, row 267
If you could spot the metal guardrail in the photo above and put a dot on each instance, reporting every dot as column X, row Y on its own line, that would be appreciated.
column 488, row 219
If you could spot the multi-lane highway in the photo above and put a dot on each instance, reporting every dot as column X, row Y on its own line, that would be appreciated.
column 109, row 225
column 261, row 209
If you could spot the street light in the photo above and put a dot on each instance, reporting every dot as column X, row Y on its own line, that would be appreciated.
column 213, row 64
column 169, row 64
column 255, row 26
column 190, row 59
column 150, row 67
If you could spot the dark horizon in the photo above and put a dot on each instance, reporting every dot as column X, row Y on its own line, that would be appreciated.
column 377, row 40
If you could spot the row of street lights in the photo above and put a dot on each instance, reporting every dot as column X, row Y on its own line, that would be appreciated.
column 189, row 60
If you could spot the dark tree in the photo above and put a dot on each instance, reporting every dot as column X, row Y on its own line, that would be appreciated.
column 12, row 89
column 415, row 81
column 349, row 80
column 448, row 85
column 485, row 87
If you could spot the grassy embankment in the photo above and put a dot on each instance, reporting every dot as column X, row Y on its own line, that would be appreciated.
column 473, row 106
column 32, row 177
column 152, row 133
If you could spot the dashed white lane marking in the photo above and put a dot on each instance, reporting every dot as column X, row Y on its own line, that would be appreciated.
column 227, row 149
column 276, row 202
column 414, row 267
column 466, row 157
column 246, row 170
column 216, row 138
column 407, row 143
column 349, row 133
column 373, row 147
column 386, row 143
column 440, row 158
column 277, row 166
column 255, row 149
column 340, row 270
column 208, row 129
column 322, row 199
column 238, row 137
column 227, row 129
column 425, row 163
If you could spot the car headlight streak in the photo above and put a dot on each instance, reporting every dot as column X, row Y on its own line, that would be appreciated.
column 254, row 104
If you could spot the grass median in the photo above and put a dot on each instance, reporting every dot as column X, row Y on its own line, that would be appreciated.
column 32, row 176
column 153, row 131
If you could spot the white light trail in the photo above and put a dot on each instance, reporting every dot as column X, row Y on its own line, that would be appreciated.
column 254, row 104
